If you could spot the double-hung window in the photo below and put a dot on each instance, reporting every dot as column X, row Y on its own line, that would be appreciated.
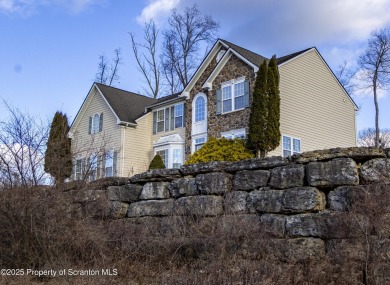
column 233, row 95
column 78, row 173
column 179, row 115
column 177, row 158
column 291, row 146
column 169, row 118
column 227, row 99
column 160, row 120
column 239, row 95
column 109, row 164
column 92, row 167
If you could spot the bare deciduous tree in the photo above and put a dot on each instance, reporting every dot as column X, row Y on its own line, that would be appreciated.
column 23, row 141
column 108, row 73
column 148, row 60
column 182, row 41
column 367, row 138
column 92, row 156
column 375, row 69
column 346, row 77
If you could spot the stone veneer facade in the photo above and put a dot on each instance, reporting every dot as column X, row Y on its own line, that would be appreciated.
column 216, row 124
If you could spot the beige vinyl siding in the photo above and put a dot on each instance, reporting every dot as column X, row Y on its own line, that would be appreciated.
column 138, row 146
column 314, row 107
column 84, row 144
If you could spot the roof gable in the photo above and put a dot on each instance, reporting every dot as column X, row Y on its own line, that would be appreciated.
column 289, row 58
column 127, row 106
column 251, row 56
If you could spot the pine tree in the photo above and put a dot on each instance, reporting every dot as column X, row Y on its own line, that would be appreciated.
column 157, row 163
column 58, row 157
column 273, row 117
column 257, row 138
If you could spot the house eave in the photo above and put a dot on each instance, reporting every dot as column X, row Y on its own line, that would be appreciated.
column 168, row 102
column 126, row 124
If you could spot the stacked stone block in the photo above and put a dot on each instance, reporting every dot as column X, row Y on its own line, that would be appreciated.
column 302, row 201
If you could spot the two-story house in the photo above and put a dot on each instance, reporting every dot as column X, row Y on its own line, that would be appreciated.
column 117, row 132
column 315, row 110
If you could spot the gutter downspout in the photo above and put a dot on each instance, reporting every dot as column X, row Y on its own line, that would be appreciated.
column 123, row 150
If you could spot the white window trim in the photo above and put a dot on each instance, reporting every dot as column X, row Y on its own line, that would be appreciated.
column 205, row 110
column 182, row 116
column 180, row 156
column 109, row 162
column 93, row 124
column 81, row 169
column 169, row 119
column 232, row 134
column 194, row 138
column 170, row 147
column 292, row 144
column 232, row 83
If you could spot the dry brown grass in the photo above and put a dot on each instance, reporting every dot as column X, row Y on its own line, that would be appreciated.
column 38, row 231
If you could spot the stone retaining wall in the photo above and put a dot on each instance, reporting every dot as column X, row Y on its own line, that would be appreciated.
column 303, row 200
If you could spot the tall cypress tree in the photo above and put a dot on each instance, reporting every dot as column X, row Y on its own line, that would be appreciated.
column 58, row 157
column 264, row 120
column 273, row 118
column 257, row 138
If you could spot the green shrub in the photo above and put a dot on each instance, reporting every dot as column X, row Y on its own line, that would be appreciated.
column 221, row 150
column 156, row 163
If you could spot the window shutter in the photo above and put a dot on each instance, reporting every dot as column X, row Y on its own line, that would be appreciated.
column 101, row 122
column 172, row 118
column 166, row 119
column 83, row 168
column 90, row 126
column 246, row 93
column 219, row 101
column 184, row 114
column 114, row 159
column 74, row 169
column 154, row 122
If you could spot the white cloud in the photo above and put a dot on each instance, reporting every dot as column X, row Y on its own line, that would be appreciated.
column 26, row 7
column 16, row 6
column 156, row 10
column 284, row 26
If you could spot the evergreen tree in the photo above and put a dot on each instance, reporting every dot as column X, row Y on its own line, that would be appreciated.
column 58, row 157
column 257, row 138
column 273, row 117
column 157, row 163
column 264, row 120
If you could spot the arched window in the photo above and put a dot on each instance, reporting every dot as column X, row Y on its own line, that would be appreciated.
column 95, row 124
column 200, row 109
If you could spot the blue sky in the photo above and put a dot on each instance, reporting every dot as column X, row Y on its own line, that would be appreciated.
column 49, row 49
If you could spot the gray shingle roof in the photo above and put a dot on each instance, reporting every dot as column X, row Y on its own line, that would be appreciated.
column 285, row 58
column 128, row 106
column 255, row 58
